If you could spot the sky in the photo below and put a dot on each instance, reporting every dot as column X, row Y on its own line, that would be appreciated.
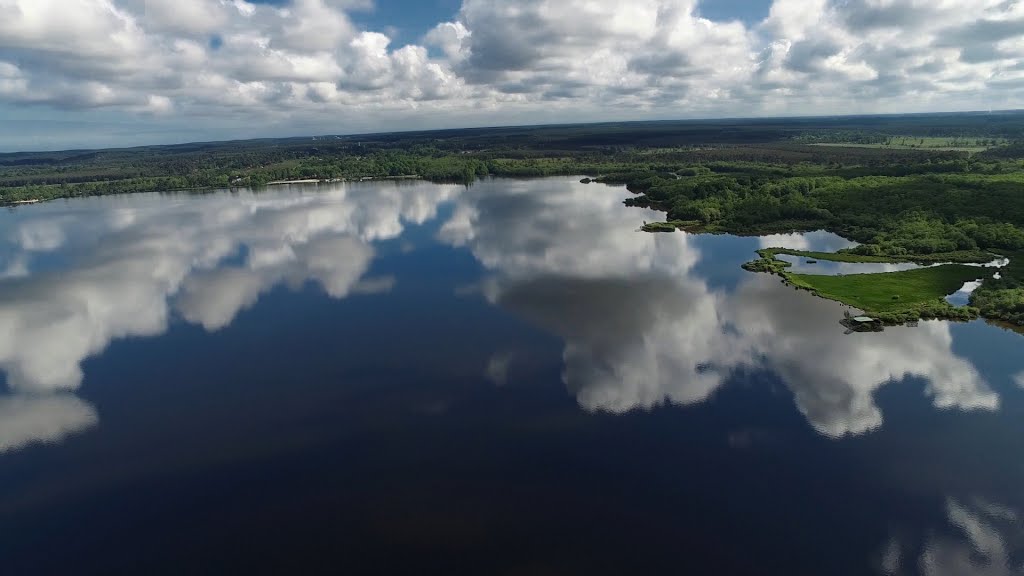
column 99, row 73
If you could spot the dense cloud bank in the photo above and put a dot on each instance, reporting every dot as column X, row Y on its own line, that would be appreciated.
column 306, row 65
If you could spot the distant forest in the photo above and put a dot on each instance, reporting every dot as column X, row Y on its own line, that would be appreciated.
column 880, row 145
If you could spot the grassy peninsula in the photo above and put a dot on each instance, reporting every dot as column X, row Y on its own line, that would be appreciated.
column 895, row 297
column 892, row 297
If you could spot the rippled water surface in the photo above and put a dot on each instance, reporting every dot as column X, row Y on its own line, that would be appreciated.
column 501, row 379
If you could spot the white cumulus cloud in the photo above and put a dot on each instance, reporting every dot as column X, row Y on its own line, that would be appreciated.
column 307, row 64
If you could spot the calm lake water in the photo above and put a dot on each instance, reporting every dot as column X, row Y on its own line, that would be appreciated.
column 502, row 379
column 802, row 265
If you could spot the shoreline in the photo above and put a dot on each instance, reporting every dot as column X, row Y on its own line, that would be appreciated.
column 21, row 202
column 202, row 189
column 334, row 180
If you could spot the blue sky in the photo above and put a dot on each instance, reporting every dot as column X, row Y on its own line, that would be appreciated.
column 84, row 73
column 411, row 19
column 749, row 11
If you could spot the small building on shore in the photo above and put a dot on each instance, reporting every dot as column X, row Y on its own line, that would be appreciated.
column 862, row 324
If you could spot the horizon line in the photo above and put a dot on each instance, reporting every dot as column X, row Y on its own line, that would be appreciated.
column 521, row 126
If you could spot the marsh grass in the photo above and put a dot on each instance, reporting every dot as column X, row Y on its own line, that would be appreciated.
column 896, row 295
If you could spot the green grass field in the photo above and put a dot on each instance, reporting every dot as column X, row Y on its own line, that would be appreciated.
column 972, row 145
column 891, row 292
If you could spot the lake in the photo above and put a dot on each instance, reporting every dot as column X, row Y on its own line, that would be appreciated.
column 508, row 378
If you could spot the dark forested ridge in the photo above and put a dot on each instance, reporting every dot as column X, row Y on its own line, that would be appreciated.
column 927, row 187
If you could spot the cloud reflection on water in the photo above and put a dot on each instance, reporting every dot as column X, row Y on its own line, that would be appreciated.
column 641, row 327
column 25, row 419
column 979, row 538
column 205, row 259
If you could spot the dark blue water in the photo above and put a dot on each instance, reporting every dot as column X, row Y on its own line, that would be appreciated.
column 503, row 379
